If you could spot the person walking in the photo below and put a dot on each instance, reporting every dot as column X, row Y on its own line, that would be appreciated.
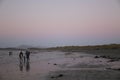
column 21, row 55
column 27, row 55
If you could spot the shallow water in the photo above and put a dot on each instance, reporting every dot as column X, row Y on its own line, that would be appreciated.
column 41, row 63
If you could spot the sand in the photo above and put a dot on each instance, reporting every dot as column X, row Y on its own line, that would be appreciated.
column 57, row 65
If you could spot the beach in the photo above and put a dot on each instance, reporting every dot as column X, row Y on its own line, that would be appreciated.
column 58, row 65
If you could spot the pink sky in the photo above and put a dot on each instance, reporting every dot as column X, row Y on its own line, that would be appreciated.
column 62, row 19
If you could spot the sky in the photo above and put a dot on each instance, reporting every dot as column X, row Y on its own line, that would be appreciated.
column 49, row 23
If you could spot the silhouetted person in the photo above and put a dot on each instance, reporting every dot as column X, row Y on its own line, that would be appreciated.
column 10, row 53
column 24, row 61
column 24, row 58
column 21, row 55
column 27, row 55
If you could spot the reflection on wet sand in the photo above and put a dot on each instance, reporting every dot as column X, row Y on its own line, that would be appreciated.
column 27, row 66
column 24, row 65
column 21, row 66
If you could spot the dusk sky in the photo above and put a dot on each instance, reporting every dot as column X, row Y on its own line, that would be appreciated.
column 48, row 23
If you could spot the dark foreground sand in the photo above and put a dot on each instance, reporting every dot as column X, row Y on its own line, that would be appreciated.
column 57, row 65
column 84, row 75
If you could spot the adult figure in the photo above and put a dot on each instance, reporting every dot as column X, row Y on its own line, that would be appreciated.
column 10, row 53
column 27, row 55
column 21, row 55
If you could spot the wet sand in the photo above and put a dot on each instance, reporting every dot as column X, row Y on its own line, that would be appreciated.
column 57, row 65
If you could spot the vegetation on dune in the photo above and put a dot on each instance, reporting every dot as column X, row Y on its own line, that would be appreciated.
column 79, row 48
column 74, row 48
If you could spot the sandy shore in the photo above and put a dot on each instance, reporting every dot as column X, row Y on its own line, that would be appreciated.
column 84, row 75
column 58, row 65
